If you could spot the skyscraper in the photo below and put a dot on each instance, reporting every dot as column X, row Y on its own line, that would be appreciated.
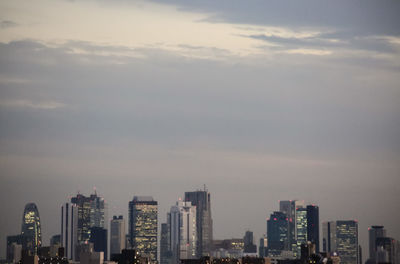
column 31, row 229
column 92, row 212
column 313, row 225
column 347, row 241
column 117, row 236
column 165, row 252
column 202, row 201
column 289, row 208
column 374, row 232
column 300, row 230
column 69, row 230
column 183, row 232
column 277, row 233
column 329, row 236
column 143, row 226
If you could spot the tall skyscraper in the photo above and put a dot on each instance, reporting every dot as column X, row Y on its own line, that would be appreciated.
column 31, row 229
column 329, row 236
column 313, row 225
column 143, row 226
column 289, row 208
column 183, row 232
column 92, row 212
column 277, row 233
column 300, row 230
column 117, row 236
column 69, row 230
column 165, row 252
column 347, row 241
column 202, row 201
column 374, row 232
column 249, row 246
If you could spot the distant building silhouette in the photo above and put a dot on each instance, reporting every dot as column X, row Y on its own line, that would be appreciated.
column 249, row 246
column 300, row 230
column 313, row 225
column 204, row 223
column 31, row 229
column 165, row 251
column 374, row 232
column 277, row 233
column 117, row 234
column 289, row 208
column 98, row 236
column 143, row 214
column 69, row 230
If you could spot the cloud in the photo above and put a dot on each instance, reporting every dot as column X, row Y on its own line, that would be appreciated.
column 7, row 24
column 46, row 105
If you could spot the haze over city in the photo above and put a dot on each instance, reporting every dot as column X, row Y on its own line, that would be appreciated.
column 260, row 101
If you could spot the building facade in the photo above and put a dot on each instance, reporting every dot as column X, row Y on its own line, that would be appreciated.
column 313, row 225
column 300, row 230
column 277, row 233
column 31, row 229
column 117, row 235
column 143, row 213
column 69, row 230
column 347, row 241
column 204, row 224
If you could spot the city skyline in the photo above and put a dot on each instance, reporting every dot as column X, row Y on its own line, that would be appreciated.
column 260, row 101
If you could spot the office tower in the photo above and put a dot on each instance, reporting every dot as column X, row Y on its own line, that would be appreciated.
column 374, row 232
column 98, row 236
column 183, row 232
column 202, row 201
column 92, row 212
column 313, row 225
column 387, row 250
column 31, row 229
column 69, row 230
column 329, row 236
column 165, row 253
column 289, row 208
column 262, row 250
column 143, row 226
column 14, row 248
column 249, row 246
column 347, row 241
column 277, row 226
column 300, row 230
column 117, row 235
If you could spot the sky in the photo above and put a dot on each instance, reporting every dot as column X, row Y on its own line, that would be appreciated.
column 260, row 101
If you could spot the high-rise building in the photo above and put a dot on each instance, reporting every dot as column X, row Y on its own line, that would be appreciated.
column 313, row 225
column 374, row 232
column 143, row 226
column 262, row 249
column 69, row 230
column 14, row 247
column 183, row 232
column 249, row 246
column 202, row 201
column 329, row 236
column 117, row 235
column 300, row 230
column 98, row 236
column 277, row 233
column 165, row 252
column 31, row 229
column 289, row 208
column 92, row 212
column 347, row 241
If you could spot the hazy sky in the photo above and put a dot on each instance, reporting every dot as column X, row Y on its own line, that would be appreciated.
column 259, row 100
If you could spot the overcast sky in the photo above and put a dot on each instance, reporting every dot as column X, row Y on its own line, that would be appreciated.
column 259, row 100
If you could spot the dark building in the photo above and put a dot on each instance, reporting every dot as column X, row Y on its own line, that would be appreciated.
column 98, row 236
column 202, row 201
column 277, row 233
column 14, row 243
column 31, row 229
column 374, row 232
column 249, row 246
column 127, row 256
column 55, row 240
column 313, row 225
column 165, row 253
column 143, row 214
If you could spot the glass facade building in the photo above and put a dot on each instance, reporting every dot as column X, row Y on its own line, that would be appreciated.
column 313, row 225
column 300, row 230
column 347, row 241
column 277, row 232
column 143, row 213
column 31, row 229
